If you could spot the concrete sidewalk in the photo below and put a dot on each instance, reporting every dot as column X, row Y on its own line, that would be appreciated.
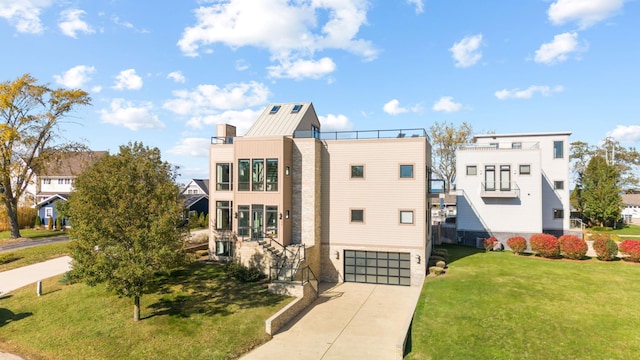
column 14, row 279
column 347, row 321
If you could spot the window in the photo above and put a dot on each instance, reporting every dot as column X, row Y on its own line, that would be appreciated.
column 243, row 220
column 296, row 108
column 46, row 181
column 223, row 248
column 525, row 169
column 558, row 213
column 558, row 185
column 315, row 132
column 274, row 109
column 192, row 191
column 490, row 178
column 406, row 216
column 516, row 145
column 357, row 171
column 244, row 171
column 406, row 171
column 494, row 145
column 223, row 176
column 272, row 174
column 257, row 221
column 223, row 215
column 48, row 212
column 272, row 220
column 558, row 149
column 357, row 215
column 60, row 181
column 472, row 170
column 257, row 175
column 505, row 178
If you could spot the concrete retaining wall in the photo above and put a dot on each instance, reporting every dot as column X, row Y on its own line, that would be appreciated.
column 306, row 294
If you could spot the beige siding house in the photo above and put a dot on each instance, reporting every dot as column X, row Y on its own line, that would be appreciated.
column 342, row 206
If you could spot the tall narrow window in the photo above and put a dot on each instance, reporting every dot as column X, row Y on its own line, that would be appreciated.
column 223, row 215
column 257, row 175
column 505, row 177
column 315, row 132
column 558, row 149
column 243, row 220
column 272, row 174
column 257, row 221
column 490, row 178
column 223, row 176
column 244, row 175
column 271, row 215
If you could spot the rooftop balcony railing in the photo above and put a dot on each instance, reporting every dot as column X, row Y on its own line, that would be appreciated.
column 362, row 134
column 501, row 146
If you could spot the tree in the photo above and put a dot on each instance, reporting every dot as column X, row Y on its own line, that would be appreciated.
column 30, row 115
column 601, row 200
column 124, row 214
column 445, row 139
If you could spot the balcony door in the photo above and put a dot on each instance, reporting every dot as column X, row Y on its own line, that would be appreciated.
column 505, row 178
column 490, row 178
column 257, row 221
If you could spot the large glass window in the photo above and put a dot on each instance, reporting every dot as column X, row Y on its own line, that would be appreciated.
column 223, row 215
column 490, row 178
column 272, row 220
column 406, row 171
column 272, row 174
column 357, row 171
column 558, row 149
column 244, row 175
column 257, row 175
column 223, row 176
column 257, row 221
column 243, row 220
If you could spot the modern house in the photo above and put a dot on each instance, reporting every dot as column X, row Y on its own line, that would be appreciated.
column 54, row 182
column 512, row 184
column 196, row 196
column 631, row 210
column 347, row 206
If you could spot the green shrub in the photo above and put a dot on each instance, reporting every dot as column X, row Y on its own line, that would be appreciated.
column 441, row 252
column 50, row 223
column 69, row 277
column 58, row 223
column 605, row 248
column 436, row 258
column 601, row 228
column 243, row 273
column 38, row 221
column 518, row 244
column 7, row 258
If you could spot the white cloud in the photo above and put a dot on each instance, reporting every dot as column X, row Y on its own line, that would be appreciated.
column 447, row 104
column 300, row 69
column 116, row 20
column 558, row 50
column 393, row 108
column 124, row 113
column 290, row 31
column 176, row 76
column 627, row 134
column 418, row 4
column 127, row 79
column 242, row 65
column 96, row 89
column 70, row 23
column 334, row 123
column 584, row 12
column 75, row 77
column 191, row 146
column 24, row 15
column 466, row 51
column 210, row 104
column 528, row 92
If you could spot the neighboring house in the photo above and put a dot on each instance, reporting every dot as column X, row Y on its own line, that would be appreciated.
column 196, row 196
column 443, row 206
column 631, row 211
column 55, row 181
column 512, row 184
column 351, row 206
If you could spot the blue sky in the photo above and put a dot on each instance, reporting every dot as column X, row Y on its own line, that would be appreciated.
column 165, row 72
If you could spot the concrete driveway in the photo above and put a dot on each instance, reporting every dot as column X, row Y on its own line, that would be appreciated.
column 347, row 321
column 23, row 276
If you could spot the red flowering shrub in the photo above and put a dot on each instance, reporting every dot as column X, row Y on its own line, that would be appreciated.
column 631, row 248
column 572, row 247
column 605, row 248
column 518, row 244
column 489, row 243
column 545, row 245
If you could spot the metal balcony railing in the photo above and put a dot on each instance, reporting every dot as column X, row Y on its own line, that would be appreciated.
column 500, row 189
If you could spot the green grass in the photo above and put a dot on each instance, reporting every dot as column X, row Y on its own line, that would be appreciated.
column 627, row 230
column 32, row 234
column 196, row 313
column 32, row 255
column 501, row 306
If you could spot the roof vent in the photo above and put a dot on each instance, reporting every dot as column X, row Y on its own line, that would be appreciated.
column 296, row 108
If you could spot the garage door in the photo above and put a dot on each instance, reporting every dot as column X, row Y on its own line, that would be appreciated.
column 377, row 267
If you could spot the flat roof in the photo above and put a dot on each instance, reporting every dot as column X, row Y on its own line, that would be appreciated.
column 560, row 133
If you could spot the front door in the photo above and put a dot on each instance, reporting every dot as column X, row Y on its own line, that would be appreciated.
column 257, row 221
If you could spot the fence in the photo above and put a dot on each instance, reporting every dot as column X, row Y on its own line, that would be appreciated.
column 26, row 218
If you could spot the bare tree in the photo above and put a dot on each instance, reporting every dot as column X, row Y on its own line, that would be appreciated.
column 445, row 139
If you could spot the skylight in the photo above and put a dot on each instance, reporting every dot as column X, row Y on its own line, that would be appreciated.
column 274, row 109
column 296, row 108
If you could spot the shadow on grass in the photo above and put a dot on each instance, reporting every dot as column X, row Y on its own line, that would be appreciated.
column 7, row 316
column 206, row 289
column 457, row 252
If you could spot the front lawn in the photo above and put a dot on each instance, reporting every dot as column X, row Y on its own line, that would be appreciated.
column 23, row 257
column 196, row 313
column 32, row 234
column 501, row 306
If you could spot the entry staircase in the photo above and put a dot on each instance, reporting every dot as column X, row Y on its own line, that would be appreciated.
column 286, row 260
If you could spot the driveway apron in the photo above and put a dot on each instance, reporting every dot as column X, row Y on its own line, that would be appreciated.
column 347, row 321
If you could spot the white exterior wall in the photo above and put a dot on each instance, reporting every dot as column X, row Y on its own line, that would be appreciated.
column 54, row 187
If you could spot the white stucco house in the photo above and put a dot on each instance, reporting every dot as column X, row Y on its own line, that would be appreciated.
column 512, row 184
